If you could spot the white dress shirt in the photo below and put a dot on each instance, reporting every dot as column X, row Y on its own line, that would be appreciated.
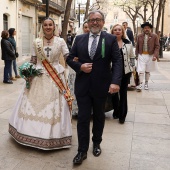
column 91, row 40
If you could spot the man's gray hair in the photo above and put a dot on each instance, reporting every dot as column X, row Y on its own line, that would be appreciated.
column 95, row 11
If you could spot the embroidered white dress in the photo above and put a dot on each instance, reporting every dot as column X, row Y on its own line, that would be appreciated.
column 71, row 81
column 41, row 117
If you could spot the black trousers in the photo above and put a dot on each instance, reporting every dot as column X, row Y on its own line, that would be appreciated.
column 119, row 100
column 87, row 104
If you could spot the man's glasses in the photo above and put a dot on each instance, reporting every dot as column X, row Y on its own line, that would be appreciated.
column 93, row 20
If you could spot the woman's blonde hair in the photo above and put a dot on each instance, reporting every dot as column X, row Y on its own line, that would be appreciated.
column 123, row 30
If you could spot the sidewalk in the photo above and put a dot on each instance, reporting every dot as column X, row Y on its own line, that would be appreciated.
column 142, row 143
column 166, row 57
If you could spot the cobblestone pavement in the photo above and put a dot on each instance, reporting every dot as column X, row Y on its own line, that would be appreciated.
column 142, row 143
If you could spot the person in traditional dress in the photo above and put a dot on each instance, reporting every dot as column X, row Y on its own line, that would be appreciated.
column 147, row 52
column 126, row 49
column 72, row 74
column 42, row 116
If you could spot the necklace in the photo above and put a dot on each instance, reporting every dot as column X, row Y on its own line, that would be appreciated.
column 48, row 39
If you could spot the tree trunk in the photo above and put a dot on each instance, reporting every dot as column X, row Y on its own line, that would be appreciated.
column 66, row 19
column 134, row 26
column 87, row 9
column 144, row 15
column 159, row 15
column 153, row 10
column 153, row 19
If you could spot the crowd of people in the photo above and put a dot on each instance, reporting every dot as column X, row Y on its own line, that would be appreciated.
column 9, row 55
column 100, row 64
column 166, row 42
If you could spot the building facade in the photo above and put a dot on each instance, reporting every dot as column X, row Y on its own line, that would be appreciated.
column 26, row 16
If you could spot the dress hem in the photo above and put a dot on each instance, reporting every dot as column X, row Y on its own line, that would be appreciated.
column 40, row 143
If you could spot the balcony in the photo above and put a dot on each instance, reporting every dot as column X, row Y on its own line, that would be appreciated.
column 72, row 14
column 31, row 2
column 53, row 7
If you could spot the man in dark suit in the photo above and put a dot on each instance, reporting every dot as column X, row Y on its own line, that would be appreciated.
column 94, row 80
column 129, row 33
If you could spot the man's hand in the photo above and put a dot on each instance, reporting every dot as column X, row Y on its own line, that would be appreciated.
column 76, row 59
column 114, row 88
column 154, row 58
column 86, row 67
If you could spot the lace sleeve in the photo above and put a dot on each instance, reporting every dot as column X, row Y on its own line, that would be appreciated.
column 65, row 50
column 33, row 56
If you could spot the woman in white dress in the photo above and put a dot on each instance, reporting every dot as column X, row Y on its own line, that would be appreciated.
column 42, row 116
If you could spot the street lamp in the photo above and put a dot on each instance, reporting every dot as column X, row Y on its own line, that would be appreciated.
column 162, row 27
column 47, row 6
column 80, row 2
column 79, row 15
column 137, row 20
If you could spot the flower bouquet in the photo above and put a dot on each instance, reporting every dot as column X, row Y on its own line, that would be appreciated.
column 28, row 71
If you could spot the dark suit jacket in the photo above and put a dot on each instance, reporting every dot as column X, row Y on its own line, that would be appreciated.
column 8, row 52
column 130, row 36
column 98, row 80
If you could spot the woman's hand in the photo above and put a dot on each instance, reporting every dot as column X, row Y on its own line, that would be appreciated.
column 29, row 79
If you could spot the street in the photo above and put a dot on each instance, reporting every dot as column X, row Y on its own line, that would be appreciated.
column 141, row 143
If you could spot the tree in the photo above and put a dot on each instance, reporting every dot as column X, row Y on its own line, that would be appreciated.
column 161, row 6
column 131, row 8
column 66, row 19
column 132, row 13
column 154, row 5
column 87, row 9
column 134, row 8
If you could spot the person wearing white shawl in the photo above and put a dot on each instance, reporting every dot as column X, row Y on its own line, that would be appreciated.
column 72, row 75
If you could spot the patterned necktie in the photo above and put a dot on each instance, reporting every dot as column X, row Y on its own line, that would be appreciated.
column 93, row 46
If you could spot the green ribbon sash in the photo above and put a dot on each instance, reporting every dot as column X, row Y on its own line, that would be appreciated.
column 103, row 47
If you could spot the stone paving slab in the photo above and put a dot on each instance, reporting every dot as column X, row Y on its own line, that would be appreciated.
column 149, row 162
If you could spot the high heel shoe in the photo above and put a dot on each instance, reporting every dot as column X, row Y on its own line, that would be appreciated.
column 115, row 114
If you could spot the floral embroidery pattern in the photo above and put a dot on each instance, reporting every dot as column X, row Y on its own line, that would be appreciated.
column 45, row 144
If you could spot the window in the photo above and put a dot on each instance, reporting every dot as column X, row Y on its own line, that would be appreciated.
column 115, row 18
column 5, row 22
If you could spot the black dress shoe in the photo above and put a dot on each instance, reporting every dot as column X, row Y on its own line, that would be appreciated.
column 115, row 114
column 121, row 121
column 8, row 82
column 96, row 150
column 78, row 159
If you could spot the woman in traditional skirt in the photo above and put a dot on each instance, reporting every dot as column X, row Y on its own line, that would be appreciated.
column 42, row 115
